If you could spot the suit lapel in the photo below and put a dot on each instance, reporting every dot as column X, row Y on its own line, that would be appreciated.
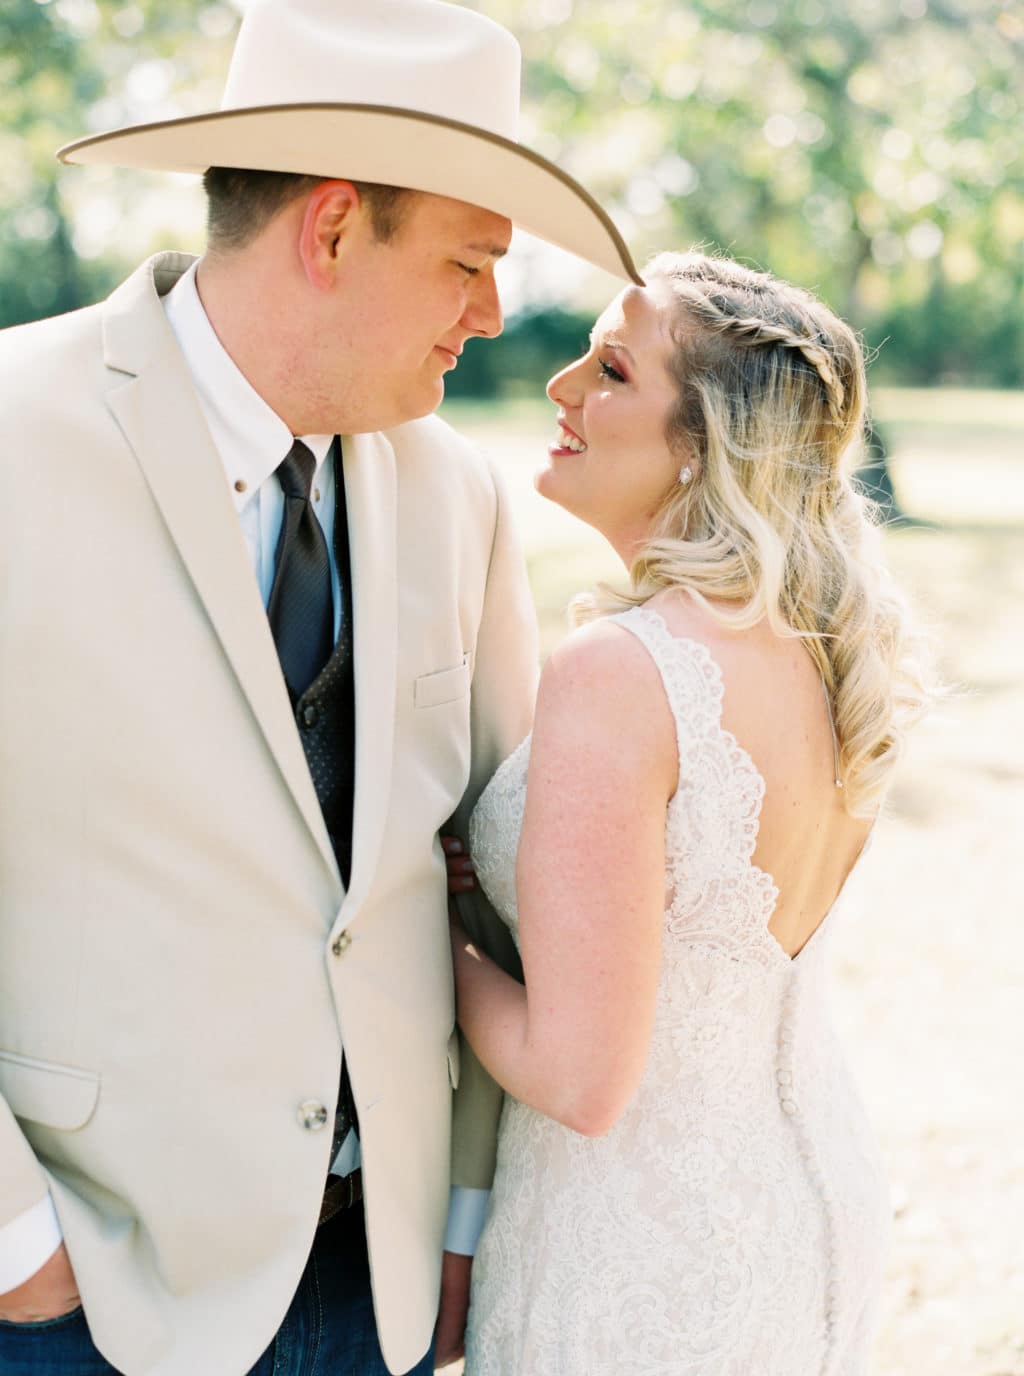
column 160, row 418
column 370, row 490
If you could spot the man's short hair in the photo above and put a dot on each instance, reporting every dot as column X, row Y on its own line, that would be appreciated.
column 241, row 202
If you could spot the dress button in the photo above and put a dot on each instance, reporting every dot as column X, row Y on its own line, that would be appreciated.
column 341, row 943
column 310, row 714
column 789, row 1106
column 312, row 1115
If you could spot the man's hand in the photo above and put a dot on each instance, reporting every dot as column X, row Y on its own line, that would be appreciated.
column 51, row 1292
column 451, row 1321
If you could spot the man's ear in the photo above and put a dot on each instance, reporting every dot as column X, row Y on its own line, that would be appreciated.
column 331, row 214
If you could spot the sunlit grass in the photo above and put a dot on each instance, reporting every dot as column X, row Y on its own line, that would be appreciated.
column 964, row 407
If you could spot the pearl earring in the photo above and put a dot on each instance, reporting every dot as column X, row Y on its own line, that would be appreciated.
column 686, row 476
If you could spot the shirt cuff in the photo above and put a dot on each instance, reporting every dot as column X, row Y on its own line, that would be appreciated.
column 467, row 1210
column 27, row 1243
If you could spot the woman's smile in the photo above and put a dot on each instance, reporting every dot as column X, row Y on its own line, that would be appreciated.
column 568, row 442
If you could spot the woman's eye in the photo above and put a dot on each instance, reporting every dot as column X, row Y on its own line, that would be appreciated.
column 466, row 268
column 609, row 372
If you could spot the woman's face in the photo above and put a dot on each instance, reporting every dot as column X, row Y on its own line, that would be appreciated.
column 610, row 464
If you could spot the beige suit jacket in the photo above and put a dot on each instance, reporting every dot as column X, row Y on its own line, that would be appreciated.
column 170, row 995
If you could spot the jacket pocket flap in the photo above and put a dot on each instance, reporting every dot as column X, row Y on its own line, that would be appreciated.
column 430, row 690
column 59, row 1096
column 453, row 1060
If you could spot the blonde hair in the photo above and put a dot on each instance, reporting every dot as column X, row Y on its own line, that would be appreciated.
column 769, row 418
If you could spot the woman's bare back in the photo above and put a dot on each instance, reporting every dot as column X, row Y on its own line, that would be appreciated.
column 774, row 705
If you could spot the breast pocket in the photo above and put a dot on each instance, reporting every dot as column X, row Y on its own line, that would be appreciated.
column 58, row 1096
column 448, row 685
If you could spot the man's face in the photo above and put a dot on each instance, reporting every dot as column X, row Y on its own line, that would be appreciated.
column 402, row 311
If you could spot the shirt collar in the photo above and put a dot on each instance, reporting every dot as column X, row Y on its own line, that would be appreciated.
column 249, row 436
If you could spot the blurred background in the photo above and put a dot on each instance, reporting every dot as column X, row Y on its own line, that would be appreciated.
column 871, row 150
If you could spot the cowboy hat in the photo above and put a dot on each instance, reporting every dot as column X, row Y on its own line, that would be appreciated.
column 421, row 94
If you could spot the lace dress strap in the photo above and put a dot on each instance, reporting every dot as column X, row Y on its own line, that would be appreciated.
column 691, row 678
column 713, row 817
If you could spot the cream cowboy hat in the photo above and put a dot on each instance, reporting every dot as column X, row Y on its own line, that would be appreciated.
column 414, row 93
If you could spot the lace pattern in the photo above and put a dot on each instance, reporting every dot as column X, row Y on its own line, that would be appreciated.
column 734, row 1220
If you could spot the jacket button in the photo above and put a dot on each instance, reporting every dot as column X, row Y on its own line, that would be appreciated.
column 312, row 1115
column 341, row 943
column 310, row 715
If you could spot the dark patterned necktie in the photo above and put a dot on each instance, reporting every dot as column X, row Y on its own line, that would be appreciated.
column 318, row 673
column 301, row 606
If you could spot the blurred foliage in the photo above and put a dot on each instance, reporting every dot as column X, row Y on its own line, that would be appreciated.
column 870, row 150
column 70, row 68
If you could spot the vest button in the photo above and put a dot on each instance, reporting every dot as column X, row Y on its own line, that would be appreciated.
column 312, row 1115
column 341, row 943
column 310, row 714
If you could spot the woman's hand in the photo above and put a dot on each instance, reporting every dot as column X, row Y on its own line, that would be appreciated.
column 461, row 878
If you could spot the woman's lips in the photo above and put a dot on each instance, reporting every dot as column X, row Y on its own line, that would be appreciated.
column 570, row 443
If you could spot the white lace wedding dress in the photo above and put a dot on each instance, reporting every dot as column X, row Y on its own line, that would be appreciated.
column 735, row 1220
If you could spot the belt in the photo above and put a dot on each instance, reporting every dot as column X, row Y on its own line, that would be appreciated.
column 341, row 1193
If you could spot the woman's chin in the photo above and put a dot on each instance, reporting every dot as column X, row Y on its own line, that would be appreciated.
column 553, row 485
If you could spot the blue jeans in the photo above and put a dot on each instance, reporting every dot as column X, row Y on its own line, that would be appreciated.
column 329, row 1329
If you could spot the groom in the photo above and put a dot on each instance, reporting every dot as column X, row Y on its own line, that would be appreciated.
column 264, row 628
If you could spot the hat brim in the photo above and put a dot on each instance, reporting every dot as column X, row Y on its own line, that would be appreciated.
column 378, row 143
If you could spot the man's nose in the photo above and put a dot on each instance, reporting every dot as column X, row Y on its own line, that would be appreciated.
column 483, row 314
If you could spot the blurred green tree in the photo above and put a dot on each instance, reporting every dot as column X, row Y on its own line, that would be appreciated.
column 67, row 68
column 39, row 74
column 869, row 150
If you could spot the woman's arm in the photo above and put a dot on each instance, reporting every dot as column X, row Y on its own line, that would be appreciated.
column 590, row 876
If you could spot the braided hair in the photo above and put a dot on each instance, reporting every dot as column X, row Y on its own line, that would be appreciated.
column 769, row 417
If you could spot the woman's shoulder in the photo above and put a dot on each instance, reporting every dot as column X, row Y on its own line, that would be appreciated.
column 599, row 659
column 601, row 685
column 625, row 662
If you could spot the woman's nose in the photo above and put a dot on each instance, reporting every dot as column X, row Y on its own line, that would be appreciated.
column 564, row 389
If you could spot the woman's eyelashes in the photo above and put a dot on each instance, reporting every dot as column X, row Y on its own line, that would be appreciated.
column 609, row 371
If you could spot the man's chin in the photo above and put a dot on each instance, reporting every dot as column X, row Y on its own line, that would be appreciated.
column 425, row 403
column 421, row 401
column 408, row 408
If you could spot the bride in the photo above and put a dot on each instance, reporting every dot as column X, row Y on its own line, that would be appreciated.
column 686, row 1182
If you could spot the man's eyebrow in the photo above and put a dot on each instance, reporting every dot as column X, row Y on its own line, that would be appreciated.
column 492, row 250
